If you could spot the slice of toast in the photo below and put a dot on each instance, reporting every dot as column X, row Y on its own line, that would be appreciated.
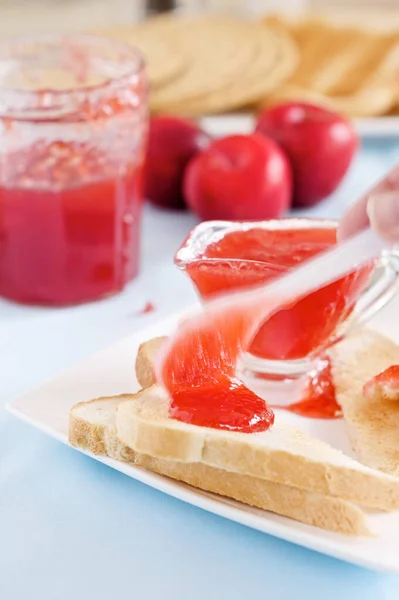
column 283, row 454
column 92, row 427
column 372, row 421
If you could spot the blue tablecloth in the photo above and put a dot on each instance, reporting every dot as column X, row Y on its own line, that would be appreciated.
column 72, row 529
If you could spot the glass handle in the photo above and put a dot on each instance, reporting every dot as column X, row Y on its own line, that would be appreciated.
column 378, row 293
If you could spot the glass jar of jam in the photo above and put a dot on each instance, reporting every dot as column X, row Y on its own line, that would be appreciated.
column 73, row 122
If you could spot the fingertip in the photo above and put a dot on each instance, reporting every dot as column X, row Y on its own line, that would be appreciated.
column 383, row 213
column 354, row 220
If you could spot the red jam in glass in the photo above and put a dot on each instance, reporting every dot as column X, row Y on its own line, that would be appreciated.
column 257, row 255
column 70, row 175
column 69, row 243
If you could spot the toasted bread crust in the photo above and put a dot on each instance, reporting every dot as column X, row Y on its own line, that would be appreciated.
column 315, row 509
column 97, row 438
column 145, row 358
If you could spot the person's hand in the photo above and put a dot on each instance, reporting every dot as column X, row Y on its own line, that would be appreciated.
column 380, row 211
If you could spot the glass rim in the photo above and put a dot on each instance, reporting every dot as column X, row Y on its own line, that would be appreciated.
column 10, row 95
column 186, row 255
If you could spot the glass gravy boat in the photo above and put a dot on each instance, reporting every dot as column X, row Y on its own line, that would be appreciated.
column 221, row 256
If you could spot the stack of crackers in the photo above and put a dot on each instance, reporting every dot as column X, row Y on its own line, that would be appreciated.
column 354, row 70
column 202, row 65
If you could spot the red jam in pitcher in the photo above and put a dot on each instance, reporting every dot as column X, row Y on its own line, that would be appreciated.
column 74, row 121
column 257, row 254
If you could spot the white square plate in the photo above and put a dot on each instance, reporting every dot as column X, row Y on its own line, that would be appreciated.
column 112, row 372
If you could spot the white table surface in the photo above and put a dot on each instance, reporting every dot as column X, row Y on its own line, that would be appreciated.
column 73, row 529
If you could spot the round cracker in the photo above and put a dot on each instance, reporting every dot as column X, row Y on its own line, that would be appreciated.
column 163, row 60
column 275, row 61
column 219, row 49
